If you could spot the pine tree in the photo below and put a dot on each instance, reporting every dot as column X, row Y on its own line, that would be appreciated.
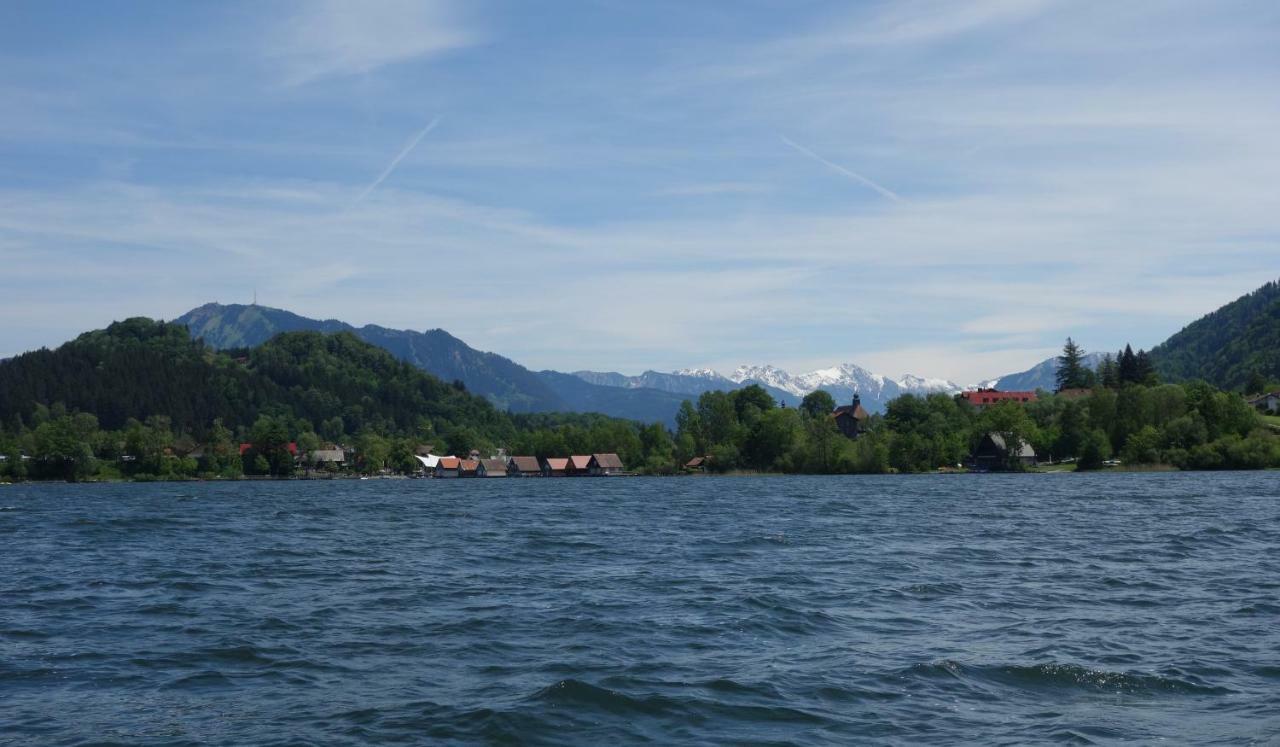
column 1071, row 371
column 1128, row 366
column 1145, row 370
column 1108, row 372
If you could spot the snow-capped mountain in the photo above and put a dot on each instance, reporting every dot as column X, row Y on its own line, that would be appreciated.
column 840, row 381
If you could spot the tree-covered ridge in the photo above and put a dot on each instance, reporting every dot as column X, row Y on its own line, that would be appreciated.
column 1229, row 346
column 138, row 368
column 140, row 397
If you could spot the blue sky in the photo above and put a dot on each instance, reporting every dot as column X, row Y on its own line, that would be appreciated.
column 941, row 188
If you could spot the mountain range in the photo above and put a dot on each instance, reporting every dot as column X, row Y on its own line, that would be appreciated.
column 651, row 396
column 1223, row 347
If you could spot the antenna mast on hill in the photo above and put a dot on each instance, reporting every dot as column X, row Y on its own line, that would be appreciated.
column 255, row 296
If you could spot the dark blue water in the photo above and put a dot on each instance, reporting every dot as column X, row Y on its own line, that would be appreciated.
column 932, row 609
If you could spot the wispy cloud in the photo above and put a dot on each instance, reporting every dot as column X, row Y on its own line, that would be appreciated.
column 713, row 188
column 413, row 143
column 337, row 37
column 884, row 191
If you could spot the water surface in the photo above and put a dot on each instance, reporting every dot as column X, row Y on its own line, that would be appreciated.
column 929, row 609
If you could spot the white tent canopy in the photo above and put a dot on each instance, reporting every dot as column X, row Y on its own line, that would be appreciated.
column 429, row 461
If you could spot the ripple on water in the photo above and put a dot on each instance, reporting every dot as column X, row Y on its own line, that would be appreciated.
column 931, row 609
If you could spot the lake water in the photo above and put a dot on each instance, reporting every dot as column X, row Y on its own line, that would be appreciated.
column 930, row 609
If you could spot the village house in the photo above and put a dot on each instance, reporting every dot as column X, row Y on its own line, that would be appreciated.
column 492, row 468
column 603, row 465
column 524, row 466
column 469, row 468
column 448, row 466
column 851, row 419
column 330, row 454
column 555, row 467
column 981, row 399
column 992, row 454
column 578, row 465
column 1269, row 402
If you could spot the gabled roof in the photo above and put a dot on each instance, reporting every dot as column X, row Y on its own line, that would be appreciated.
column 857, row 411
column 468, row 465
column 525, row 463
column 607, row 461
column 494, row 465
column 998, row 440
column 449, row 462
column 557, row 463
column 429, row 461
column 579, row 461
column 696, row 462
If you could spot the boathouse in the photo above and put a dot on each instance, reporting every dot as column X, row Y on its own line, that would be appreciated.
column 992, row 454
column 492, row 468
column 604, row 465
column 448, row 466
column 524, row 466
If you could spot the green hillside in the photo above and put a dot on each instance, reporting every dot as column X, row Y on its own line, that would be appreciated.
column 1229, row 346
column 139, row 367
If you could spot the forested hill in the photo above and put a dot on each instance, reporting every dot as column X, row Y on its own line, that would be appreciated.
column 138, row 368
column 1230, row 345
column 506, row 383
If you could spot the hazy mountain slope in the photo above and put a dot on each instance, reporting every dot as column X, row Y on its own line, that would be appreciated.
column 636, row 404
column 1043, row 375
column 688, row 384
column 1229, row 345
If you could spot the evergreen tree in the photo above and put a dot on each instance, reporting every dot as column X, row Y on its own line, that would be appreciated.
column 1071, row 372
column 1144, row 370
column 1128, row 366
column 1109, row 372
column 1257, row 383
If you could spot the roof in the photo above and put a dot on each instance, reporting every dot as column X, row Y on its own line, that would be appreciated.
column 292, row 445
column 429, row 461
column 449, row 462
column 469, row 465
column 696, row 462
column 329, row 455
column 494, row 465
column 557, row 463
column 992, row 396
column 525, row 463
column 579, row 461
column 607, row 461
column 857, row 411
column 998, row 440
column 1262, row 397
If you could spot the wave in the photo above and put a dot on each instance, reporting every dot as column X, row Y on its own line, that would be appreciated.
column 1053, row 676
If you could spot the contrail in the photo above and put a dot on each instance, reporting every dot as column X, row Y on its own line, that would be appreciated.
column 841, row 170
column 400, row 157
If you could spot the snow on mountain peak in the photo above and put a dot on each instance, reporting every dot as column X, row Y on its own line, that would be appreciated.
column 912, row 383
column 699, row 373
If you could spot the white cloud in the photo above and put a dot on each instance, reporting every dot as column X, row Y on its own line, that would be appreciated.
column 339, row 37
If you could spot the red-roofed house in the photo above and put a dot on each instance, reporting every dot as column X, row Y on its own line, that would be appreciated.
column 984, row 398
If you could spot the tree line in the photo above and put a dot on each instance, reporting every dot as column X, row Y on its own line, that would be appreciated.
column 169, row 407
